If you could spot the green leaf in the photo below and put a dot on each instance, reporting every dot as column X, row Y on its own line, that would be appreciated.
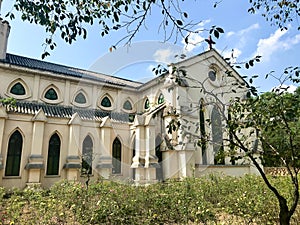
column 220, row 30
column 179, row 22
column 216, row 34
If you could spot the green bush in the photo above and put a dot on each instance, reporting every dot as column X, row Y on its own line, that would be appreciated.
column 209, row 200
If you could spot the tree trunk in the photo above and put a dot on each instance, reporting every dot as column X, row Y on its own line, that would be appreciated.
column 284, row 214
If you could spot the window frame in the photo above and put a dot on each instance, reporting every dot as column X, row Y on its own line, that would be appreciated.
column 58, row 93
column 104, row 107
column 16, row 96
column 81, row 105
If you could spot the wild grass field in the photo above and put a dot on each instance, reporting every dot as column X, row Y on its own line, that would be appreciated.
column 208, row 200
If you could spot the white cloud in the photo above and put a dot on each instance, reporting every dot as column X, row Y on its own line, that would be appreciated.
column 164, row 55
column 195, row 38
column 248, row 29
column 230, row 33
column 232, row 54
column 274, row 43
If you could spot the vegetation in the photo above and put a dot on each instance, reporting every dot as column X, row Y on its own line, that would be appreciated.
column 208, row 200
column 276, row 137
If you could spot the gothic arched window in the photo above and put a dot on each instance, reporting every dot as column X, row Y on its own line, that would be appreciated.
column 14, row 152
column 106, row 102
column 18, row 89
column 161, row 99
column 51, row 94
column 80, row 98
column 87, row 155
column 117, row 156
column 53, row 155
column 127, row 105
column 147, row 104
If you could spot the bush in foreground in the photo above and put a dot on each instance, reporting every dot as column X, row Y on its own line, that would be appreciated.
column 209, row 200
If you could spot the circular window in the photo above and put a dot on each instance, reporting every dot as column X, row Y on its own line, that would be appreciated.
column 212, row 75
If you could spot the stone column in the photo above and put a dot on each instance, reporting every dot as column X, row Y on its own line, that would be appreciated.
column 73, row 163
column 35, row 163
column 104, row 165
column 151, row 161
column 3, row 117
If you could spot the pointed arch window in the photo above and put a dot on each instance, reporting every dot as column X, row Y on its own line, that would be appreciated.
column 51, row 94
column 80, row 98
column 158, row 153
column 202, row 132
column 127, row 105
column 14, row 152
column 147, row 104
column 87, row 156
column 106, row 102
column 53, row 155
column 18, row 89
column 117, row 156
column 161, row 99
column 217, row 136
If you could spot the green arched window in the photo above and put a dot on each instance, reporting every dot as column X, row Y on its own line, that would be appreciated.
column 117, row 156
column 51, row 94
column 147, row 104
column 53, row 155
column 87, row 155
column 161, row 99
column 80, row 98
column 127, row 105
column 18, row 89
column 14, row 152
column 106, row 102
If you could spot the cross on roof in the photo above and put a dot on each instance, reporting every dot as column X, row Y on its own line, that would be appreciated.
column 210, row 42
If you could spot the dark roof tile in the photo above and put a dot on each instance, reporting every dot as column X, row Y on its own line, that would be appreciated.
column 67, row 71
column 66, row 111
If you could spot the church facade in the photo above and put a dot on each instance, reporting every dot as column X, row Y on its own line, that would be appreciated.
column 69, row 123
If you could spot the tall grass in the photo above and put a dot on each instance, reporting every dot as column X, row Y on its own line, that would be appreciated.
column 209, row 200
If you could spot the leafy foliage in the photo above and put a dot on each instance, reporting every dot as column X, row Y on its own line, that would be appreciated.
column 278, row 13
column 71, row 18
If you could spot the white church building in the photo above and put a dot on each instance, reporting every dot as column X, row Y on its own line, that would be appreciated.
column 68, row 122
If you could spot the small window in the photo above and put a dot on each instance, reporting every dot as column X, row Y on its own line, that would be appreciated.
column 212, row 75
column 80, row 98
column 18, row 89
column 161, row 99
column 147, row 104
column 106, row 102
column 51, row 94
column 127, row 105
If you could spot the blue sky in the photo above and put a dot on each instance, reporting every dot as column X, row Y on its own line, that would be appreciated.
column 247, row 34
